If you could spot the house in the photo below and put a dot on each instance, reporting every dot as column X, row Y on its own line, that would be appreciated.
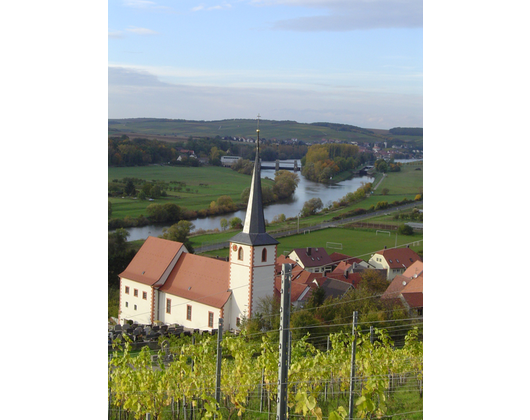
column 394, row 260
column 407, row 289
column 165, row 283
column 315, row 260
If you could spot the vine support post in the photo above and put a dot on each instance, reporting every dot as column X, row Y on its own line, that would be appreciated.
column 281, row 409
column 352, row 374
column 219, row 359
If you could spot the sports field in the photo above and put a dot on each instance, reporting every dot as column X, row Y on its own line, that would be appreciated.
column 353, row 242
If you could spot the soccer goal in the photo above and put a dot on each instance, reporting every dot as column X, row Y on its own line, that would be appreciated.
column 334, row 245
column 382, row 231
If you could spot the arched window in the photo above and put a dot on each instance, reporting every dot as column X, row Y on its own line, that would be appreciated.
column 264, row 255
column 240, row 253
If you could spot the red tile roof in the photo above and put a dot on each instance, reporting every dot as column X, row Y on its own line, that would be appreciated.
column 151, row 260
column 193, row 277
column 397, row 257
column 337, row 256
column 313, row 257
column 200, row 279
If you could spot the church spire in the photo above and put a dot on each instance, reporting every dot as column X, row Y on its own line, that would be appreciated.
column 254, row 228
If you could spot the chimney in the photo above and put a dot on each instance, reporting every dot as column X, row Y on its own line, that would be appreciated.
column 308, row 251
column 385, row 246
column 346, row 273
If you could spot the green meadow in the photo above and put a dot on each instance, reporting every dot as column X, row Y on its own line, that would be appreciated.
column 203, row 185
column 355, row 242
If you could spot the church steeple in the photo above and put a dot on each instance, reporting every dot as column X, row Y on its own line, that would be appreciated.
column 254, row 228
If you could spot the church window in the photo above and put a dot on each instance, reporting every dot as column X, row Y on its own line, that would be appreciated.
column 168, row 306
column 240, row 253
column 210, row 319
column 188, row 312
column 264, row 255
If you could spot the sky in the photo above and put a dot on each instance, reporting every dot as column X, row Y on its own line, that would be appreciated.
column 356, row 62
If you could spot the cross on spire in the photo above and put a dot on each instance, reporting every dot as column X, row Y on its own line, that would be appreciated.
column 259, row 116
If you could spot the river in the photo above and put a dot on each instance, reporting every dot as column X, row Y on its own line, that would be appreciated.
column 305, row 191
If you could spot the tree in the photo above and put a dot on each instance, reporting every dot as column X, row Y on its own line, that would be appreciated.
column 110, row 209
column 226, row 204
column 224, row 223
column 179, row 233
column 312, row 206
column 156, row 192
column 129, row 188
column 119, row 255
column 405, row 230
column 278, row 218
column 235, row 223
column 317, row 298
column 381, row 166
column 285, row 183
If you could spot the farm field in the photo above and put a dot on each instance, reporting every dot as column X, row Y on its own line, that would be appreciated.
column 203, row 185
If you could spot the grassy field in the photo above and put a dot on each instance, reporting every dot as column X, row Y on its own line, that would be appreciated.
column 355, row 242
column 205, row 185
column 408, row 181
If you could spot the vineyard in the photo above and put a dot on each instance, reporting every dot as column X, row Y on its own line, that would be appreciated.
column 179, row 381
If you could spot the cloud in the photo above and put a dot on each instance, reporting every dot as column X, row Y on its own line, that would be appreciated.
column 350, row 15
column 122, row 76
column 140, row 4
column 141, row 31
column 134, row 93
column 116, row 34
column 217, row 7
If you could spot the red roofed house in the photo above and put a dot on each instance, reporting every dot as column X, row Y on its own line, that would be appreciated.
column 407, row 288
column 394, row 260
column 164, row 282
column 315, row 260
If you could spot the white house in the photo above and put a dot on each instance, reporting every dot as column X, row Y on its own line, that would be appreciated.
column 165, row 283
column 394, row 260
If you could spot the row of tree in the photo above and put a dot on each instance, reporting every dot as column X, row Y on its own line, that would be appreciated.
column 123, row 151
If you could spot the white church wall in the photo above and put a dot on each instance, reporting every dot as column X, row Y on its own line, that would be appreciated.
column 178, row 312
column 135, row 301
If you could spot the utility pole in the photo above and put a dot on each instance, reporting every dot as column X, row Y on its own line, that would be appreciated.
column 283, row 367
column 352, row 375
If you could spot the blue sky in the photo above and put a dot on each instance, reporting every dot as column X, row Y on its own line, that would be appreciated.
column 346, row 61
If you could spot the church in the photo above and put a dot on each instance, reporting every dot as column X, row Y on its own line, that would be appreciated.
column 165, row 283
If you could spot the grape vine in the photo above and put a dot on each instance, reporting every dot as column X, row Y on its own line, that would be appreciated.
column 179, row 381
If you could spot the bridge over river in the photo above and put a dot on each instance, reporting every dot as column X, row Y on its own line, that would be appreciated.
column 281, row 165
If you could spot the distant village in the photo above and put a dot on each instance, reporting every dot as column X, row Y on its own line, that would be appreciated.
column 382, row 150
